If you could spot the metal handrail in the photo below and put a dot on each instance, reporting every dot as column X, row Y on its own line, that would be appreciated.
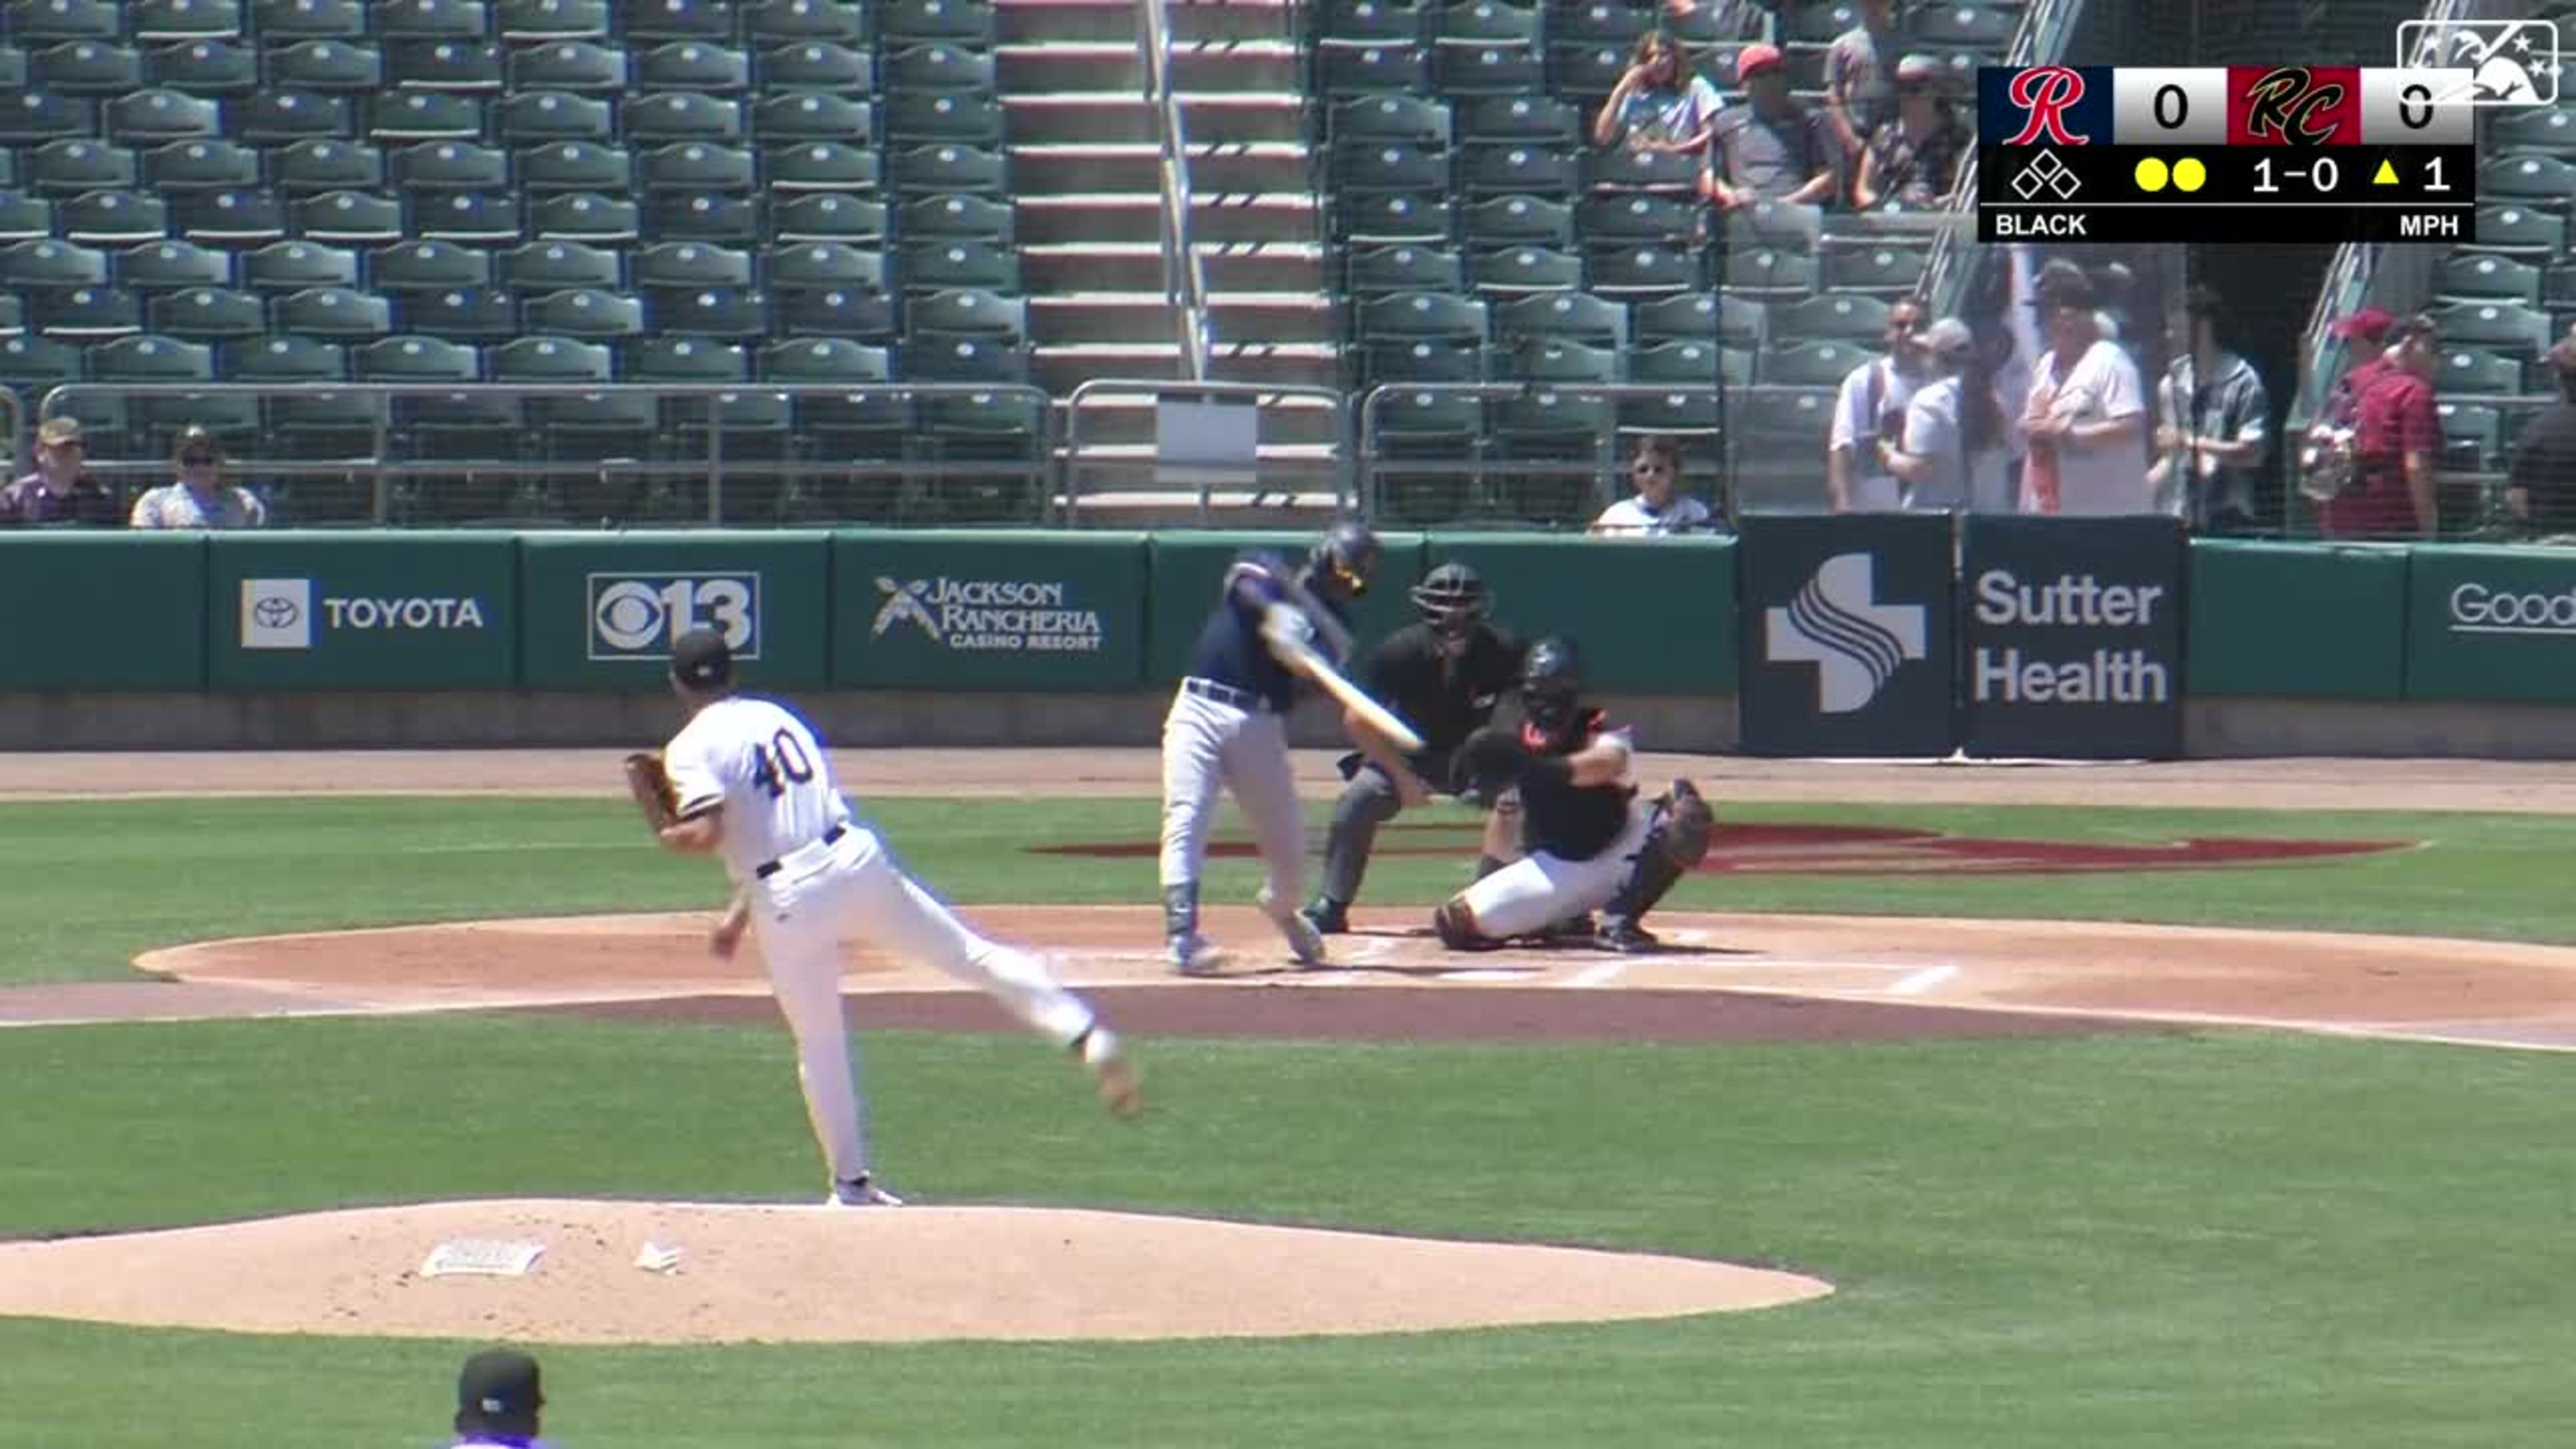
column 386, row 469
column 2042, row 32
column 1072, row 460
column 1370, row 466
column 1184, row 278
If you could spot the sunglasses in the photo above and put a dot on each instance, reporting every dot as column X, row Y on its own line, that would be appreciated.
column 196, row 460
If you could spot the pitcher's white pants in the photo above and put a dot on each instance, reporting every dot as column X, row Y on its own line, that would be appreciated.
column 849, row 890
column 1209, row 746
column 1540, row 889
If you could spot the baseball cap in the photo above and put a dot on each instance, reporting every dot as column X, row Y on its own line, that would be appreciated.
column 2370, row 324
column 1949, row 336
column 58, row 432
column 701, row 659
column 499, row 1384
column 1753, row 59
column 1918, row 69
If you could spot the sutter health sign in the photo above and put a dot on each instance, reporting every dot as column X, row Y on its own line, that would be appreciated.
column 2071, row 637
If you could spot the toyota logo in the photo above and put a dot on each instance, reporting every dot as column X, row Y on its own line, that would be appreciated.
column 275, row 613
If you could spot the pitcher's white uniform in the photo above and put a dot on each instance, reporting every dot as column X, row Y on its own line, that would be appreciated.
column 815, row 876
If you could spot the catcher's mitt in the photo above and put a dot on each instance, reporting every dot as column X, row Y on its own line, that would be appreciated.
column 650, row 784
column 1489, row 762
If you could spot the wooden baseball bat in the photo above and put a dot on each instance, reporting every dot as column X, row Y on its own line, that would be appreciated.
column 1306, row 659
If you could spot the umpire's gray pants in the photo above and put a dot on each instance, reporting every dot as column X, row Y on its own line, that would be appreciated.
column 1367, row 802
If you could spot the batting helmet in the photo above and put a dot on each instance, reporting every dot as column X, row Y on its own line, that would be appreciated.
column 1452, row 598
column 1551, row 684
column 1343, row 559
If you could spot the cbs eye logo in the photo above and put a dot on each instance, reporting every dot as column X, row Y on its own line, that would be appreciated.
column 636, row 616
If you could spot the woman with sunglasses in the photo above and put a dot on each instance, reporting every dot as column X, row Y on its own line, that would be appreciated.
column 1659, row 506
column 1661, row 103
column 200, row 499
column 1912, row 160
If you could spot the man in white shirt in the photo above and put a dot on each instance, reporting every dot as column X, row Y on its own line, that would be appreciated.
column 1871, row 407
column 751, row 783
column 1952, row 457
column 1659, row 507
column 2086, row 417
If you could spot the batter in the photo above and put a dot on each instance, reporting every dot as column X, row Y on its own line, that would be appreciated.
column 751, row 782
column 1227, row 729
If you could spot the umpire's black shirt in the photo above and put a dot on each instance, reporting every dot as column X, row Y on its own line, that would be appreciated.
column 1444, row 699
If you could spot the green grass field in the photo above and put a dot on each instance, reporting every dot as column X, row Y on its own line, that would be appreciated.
column 2210, row 1238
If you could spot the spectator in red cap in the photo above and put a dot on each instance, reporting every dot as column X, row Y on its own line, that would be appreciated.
column 2365, row 338
column 1912, row 160
column 1777, row 146
column 2540, row 485
column 2396, row 441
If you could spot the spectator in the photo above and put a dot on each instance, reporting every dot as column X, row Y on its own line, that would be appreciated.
column 1913, row 160
column 1728, row 19
column 1662, row 104
column 1869, row 409
column 2211, row 413
column 2365, row 337
column 2086, row 414
column 1860, row 94
column 1953, row 456
column 57, row 490
column 1776, row 146
column 497, row 1399
column 200, row 499
column 2540, row 484
column 2396, row 441
column 1659, row 507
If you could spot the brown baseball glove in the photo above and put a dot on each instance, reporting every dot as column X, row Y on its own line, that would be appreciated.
column 651, row 786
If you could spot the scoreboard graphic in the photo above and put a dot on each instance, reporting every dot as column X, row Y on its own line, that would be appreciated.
column 2284, row 153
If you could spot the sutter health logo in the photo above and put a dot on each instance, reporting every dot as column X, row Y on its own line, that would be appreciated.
column 1010, row 614
column 279, row 613
column 1837, row 624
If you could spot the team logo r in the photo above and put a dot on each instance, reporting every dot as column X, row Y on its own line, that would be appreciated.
column 2044, row 93
column 1837, row 624
column 904, row 604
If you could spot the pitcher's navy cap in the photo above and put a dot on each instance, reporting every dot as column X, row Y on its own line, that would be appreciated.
column 701, row 659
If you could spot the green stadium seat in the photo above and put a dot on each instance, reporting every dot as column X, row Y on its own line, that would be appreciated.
column 1811, row 364
column 1518, row 271
column 1490, row 71
column 1483, row 24
column 1385, row 166
column 584, row 216
column 2474, row 370
column 1587, row 70
column 578, row 67
column 1425, row 314
column 346, row 218
column 32, row 118
column 698, row 167
column 922, row 70
column 109, row 218
column 1516, row 170
column 1623, row 169
column 666, row 20
column 2533, row 179
column 684, row 266
column 282, row 118
column 533, row 118
column 973, row 170
column 693, row 65
column 433, row 19
column 161, row 22
column 283, row 359
column 1606, row 22
column 30, row 364
column 319, row 165
column 13, row 69
column 426, row 116
column 2502, row 326
column 1392, row 217
column 29, row 265
column 954, row 120
column 521, row 21
column 469, row 218
column 1767, row 273
column 202, row 165
column 276, row 21
column 780, row 22
column 460, row 314
column 249, row 217
column 448, row 65
column 203, row 68
column 815, row 65
column 209, row 314
column 827, row 217
column 51, row 22
column 84, row 314
column 2474, row 433
column 427, row 266
column 1561, row 360
column 1429, row 420
column 582, row 166
column 950, row 264
column 341, row 312
column 1382, row 271
column 1420, row 360
column 1972, row 26
column 585, row 312
column 2520, row 230
column 973, row 218
column 968, row 23
column 1832, row 318
column 969, row 313
column 1342, row 73
column 1639, row 219
column 811, row 116
column 1520, row 120
column 734, row 313
column 1362, row 24
column 451, row 166
column 172, row 266
column 25, row 217
column 1566, row 316
column 671, row 116
column 151, row 359
column 862, row 313
column 1887, row 271
column 1702, row 364
column 1779, row 225
column 2464, row 277
column 835, row 360
column 331, row 67
column 86, row 68
column 1383, row 119
column 1645, row 271
column 1552, row 424
column 818, row 265
column 964, row 359
column 661, row 357
column 554, row 266
column 723, row 220
column 2546, row 130
column 822, row 166
column 1517, row 221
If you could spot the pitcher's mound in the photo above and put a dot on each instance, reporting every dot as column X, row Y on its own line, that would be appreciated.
column 781, row 1274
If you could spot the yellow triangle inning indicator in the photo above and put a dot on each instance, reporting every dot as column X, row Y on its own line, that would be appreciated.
column 2387, row 175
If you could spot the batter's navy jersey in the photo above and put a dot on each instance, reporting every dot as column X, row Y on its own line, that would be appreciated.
column 1230, row 651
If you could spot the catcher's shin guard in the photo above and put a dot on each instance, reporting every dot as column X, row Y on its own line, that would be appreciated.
column 1678, row 839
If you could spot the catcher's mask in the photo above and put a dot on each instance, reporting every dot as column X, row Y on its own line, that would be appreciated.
column 1341, row 561
column 1452, row 599
column 1551, row 684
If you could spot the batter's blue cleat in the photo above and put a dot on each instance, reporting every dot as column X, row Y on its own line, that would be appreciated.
column 1304, row 941
column 861, row 1191
column 1191, row 955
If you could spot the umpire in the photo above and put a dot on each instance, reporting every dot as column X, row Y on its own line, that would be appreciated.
column 1443, row 676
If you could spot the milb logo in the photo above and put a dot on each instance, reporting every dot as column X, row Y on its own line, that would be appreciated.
column 636, row 616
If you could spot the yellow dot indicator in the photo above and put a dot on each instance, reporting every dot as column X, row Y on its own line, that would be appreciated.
column 2189, row 174
column 2151, row 174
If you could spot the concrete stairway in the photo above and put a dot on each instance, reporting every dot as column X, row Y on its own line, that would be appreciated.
column 1086, row 167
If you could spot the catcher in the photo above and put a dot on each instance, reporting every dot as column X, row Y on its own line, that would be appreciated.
column 747, row 779
column 1442, row 675
column 1593, row 844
